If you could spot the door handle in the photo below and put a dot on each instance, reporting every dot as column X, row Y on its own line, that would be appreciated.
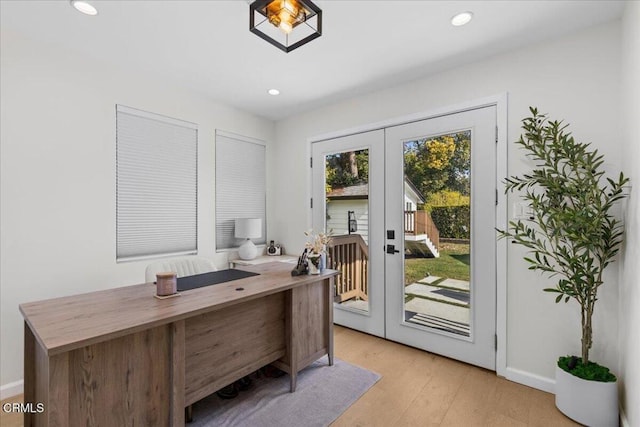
column 391, row 249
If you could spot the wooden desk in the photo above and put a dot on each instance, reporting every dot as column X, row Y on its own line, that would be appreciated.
column 121, row 357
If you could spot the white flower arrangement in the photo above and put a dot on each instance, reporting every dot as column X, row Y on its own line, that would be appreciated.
column 317, row 241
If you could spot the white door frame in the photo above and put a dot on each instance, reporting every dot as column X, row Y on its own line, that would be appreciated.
column 501, row 103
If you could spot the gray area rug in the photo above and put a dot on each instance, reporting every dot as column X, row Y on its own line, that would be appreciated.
column 323, row 393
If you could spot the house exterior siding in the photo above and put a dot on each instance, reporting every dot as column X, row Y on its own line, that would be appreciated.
column 337, row 216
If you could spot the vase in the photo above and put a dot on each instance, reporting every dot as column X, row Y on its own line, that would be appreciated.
column 314, row 263
column 323, row 261
column 591, row 403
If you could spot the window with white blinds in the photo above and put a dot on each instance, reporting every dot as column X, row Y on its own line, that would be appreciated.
column 240, row 185
column 156, row 185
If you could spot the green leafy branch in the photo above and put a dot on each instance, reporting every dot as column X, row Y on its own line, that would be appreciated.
column 572, row 234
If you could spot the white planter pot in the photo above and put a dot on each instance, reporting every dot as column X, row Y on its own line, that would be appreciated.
column 592, row 403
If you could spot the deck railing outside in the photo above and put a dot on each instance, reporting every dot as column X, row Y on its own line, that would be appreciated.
column 420, row 222
column 349, row 254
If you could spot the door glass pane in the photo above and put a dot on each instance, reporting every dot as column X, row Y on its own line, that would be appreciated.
column 437, row 230
column 347, row 222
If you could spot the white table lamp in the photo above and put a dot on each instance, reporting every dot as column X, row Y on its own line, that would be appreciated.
column 248, row 228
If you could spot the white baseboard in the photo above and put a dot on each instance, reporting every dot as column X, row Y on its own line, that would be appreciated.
column 12, row 389
column 531, row 380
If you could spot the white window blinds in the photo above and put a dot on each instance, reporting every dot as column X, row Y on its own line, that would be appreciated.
column 240, row 185
column 156, row 185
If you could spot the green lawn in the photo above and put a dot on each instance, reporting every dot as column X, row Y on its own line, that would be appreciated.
column 452, row 263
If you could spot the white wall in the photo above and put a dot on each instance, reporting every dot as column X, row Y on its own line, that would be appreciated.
column 58, row 175
column 629, row 334
column 575, row 78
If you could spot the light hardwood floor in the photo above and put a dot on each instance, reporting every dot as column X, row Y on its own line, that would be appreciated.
column 421, row 389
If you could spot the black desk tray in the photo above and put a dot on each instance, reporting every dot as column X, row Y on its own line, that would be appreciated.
column 213, row 278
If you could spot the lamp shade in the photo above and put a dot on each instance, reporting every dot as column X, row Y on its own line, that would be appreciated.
column 248, row 228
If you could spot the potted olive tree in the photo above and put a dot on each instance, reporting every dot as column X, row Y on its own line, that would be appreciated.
column 571, row 235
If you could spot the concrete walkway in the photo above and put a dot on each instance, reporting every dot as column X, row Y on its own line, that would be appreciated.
column 440, row 305
column 444, row 304
column 431, row 291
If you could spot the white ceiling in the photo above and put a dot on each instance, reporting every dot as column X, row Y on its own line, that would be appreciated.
column 365, row 46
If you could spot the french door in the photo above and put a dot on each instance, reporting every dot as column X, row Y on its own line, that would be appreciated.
column 441, row 285
column 348, row 200
column 421, row 197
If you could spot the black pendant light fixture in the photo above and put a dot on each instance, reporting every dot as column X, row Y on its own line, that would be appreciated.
column 286, row 24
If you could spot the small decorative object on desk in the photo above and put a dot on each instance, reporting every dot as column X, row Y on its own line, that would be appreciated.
column 317, row 246
column 166, row 283
column 274, row 249
column 303, row 265
column 314, row 263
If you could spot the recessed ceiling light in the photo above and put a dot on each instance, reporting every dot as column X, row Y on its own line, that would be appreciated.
column 274, row 92
column 84, row 7
column 461, row 19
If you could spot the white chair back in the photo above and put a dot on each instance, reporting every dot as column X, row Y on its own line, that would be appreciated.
column 187, row 266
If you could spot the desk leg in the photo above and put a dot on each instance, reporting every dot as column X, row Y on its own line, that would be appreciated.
column 291, row 331
column 177, row 411
column 329, row 291
column 188, row 413
column 29, row 373
column 46, row 382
